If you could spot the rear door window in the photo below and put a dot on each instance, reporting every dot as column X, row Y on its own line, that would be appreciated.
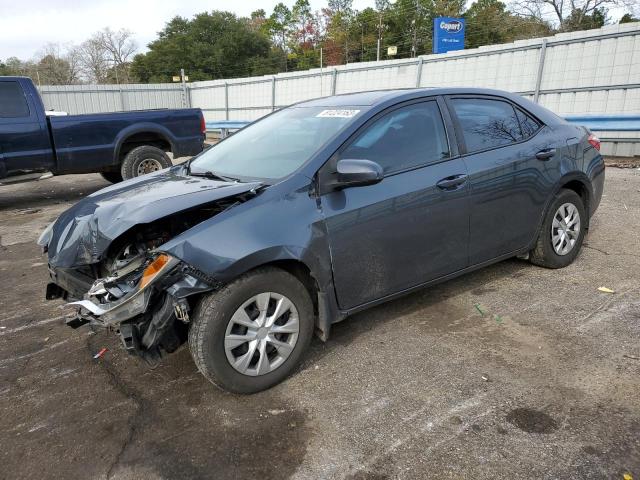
column 405, row 138
column 487, row 123
column 13, row 103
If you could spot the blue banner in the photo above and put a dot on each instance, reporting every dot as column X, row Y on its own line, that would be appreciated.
column 448, row 34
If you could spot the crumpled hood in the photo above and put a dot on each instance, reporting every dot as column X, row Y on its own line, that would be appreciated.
column 82, row 234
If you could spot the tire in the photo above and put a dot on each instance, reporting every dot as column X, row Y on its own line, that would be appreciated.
column 144, row 159
column 544, row 254
column 213, row 320
column 113, row 177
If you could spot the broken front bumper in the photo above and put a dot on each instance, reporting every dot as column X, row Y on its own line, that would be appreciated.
column 174, row 280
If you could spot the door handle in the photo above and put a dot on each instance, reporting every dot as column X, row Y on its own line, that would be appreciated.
column 546, row 154
column 452, row 182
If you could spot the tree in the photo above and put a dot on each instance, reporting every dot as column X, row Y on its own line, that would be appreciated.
column 119, row 48
column 208, row 46
column 278, row 27
column 489, row 22
column 567, row 15
column 628, row 18
column 579, row 21
column 94, row 61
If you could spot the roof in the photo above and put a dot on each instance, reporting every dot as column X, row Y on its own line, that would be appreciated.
column 383, row 98
column 379, row 96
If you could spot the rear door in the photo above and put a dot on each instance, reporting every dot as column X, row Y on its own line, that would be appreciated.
column 411, row 227
column 508, row 184
column 24, row 138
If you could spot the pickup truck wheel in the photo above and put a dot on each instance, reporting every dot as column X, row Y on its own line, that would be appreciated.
column 113, row 177
column 251, row 334
column 143, row 160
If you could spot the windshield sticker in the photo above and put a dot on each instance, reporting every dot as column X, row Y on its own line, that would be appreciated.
column 338, row 113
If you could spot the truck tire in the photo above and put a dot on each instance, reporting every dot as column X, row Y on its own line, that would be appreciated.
column 562, row 232
column 251, row 334
column 113, row 177
column 144, row 159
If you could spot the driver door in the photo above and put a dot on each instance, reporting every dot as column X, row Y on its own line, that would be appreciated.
column 410, row 228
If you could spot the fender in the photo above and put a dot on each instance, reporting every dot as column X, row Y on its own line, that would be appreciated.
column 142, row 128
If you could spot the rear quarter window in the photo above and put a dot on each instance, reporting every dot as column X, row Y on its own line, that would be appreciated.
column 13, row 103
column 528, row 124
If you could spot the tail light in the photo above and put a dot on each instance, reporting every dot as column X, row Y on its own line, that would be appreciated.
column 203, row 125
column 594, row 141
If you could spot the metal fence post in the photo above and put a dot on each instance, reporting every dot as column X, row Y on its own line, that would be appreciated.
column 419, row 71
column 273, row 93
column 122, row 102
column 185, row 99
column 226, row 101
column 334, row 78
column 543, row 52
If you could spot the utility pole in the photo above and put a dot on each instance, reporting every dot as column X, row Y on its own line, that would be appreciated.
column 415, row 30
column 379, row 35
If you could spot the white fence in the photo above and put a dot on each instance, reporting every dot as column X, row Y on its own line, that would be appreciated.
column 592, row 72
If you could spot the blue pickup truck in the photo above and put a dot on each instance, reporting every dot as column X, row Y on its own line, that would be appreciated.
column 120, row 145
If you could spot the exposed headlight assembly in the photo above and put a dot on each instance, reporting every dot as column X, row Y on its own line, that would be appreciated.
column 134, row 301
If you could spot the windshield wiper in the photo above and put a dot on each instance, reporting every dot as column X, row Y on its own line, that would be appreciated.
column 213, row 176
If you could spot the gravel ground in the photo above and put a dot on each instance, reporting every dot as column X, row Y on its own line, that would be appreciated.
column 541, row 380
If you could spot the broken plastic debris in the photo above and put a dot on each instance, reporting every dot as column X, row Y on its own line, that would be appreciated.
column 100, row 353
column 477, row 305
column 606, row 290
column 485, row 378
column 627, row 476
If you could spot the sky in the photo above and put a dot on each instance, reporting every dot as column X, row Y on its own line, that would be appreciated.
column 25, row 27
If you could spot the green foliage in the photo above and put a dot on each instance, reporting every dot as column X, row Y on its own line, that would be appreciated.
column 628, row 18
column 209, row 46
column 579, row 20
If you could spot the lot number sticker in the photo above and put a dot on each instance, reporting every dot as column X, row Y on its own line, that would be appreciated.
column 338, row 113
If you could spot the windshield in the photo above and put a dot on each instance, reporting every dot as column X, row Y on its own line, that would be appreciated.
column 275, row 146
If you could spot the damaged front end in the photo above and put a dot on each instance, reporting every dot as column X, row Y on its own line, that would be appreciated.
column 145, row 301
column 106, row 257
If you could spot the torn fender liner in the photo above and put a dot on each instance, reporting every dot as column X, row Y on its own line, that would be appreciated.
column 82, row 234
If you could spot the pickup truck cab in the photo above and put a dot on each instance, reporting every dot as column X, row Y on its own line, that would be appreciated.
column 120, row 145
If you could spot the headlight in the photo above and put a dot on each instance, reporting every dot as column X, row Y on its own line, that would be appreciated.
column 45, row 236
column 155, row 268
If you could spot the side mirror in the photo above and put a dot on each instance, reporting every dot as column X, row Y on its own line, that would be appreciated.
column 357, row 173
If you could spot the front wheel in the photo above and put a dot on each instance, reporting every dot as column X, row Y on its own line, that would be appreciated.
column 143, row 160
column 251, row 335
column 562, row 232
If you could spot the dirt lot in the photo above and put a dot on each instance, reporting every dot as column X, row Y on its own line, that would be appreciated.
column 545, row 383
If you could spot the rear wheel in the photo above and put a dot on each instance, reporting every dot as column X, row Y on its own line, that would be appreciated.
column 562, row 232
column 143, row 160
column 251, row 335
